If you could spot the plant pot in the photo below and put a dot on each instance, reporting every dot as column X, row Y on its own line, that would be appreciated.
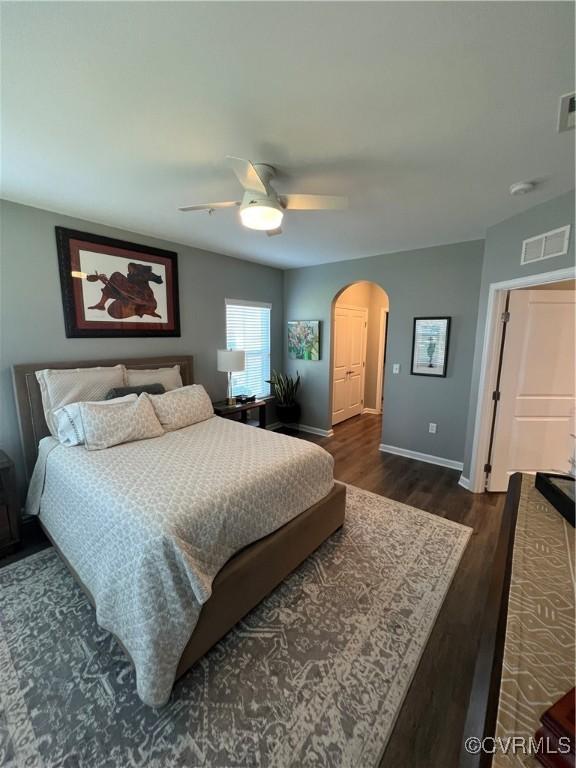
column 288, row 414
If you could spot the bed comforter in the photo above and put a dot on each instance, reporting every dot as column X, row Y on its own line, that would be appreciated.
column 148, row 525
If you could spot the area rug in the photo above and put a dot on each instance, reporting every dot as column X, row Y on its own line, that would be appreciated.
column 314, row 676
column 539, row 652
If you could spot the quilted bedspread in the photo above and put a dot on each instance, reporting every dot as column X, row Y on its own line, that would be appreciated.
column 148, row 525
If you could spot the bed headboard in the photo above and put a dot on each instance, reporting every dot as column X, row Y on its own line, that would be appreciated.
column 31, row 419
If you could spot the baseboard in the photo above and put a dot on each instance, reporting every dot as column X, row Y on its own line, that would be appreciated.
column 315, row 430
column 374, row 411
column 464, row 482
column 426, row 457
column 304, row 428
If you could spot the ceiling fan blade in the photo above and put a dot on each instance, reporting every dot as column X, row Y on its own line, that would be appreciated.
column 313, row 202
column 210, row 206
column 272, row 232
column 247, row 174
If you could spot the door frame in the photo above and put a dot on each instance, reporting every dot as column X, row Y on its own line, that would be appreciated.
column 333, row 341
column 489, row 367
column 382, row 329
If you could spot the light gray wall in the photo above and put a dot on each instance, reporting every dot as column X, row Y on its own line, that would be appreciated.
column 442, row 280
column 502, row 262
column 32, row 322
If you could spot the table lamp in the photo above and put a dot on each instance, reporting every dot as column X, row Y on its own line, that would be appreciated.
column 229, row 361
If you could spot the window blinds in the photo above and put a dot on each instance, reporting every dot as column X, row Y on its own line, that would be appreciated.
column 248, row 328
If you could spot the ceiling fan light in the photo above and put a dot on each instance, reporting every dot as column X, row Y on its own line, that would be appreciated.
column 261, row 217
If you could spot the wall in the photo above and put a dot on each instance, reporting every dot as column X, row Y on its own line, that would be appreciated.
column 32, row 323
column 358, row 294
column 502, row 262
column 442, row 280
column 445, row 280
column 373, row 298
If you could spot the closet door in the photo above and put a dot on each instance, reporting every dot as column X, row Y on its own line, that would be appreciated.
column 357, row 324
column 349, row 362
column 340, row 372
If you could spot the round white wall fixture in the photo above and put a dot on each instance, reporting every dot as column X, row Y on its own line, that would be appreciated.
column 522, row 187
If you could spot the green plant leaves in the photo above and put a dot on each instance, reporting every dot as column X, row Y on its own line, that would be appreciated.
column 284, row 387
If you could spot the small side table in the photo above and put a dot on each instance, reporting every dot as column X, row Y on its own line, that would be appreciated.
column 9, row 513
column 226, row 411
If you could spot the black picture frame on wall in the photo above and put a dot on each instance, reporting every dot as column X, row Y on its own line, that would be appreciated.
column 114, row 288
column 430, row 345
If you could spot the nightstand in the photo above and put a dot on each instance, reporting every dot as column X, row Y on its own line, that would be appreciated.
column 229, row 411
column 9, row 513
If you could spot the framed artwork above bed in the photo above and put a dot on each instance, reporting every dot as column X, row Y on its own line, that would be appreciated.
column 114, row 288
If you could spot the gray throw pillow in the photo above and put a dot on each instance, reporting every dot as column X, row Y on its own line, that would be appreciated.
column 150, row 389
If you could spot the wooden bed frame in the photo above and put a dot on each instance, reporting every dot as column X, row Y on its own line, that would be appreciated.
column 248, row 576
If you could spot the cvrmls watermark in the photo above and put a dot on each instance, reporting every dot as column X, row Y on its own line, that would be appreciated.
column 518, row 745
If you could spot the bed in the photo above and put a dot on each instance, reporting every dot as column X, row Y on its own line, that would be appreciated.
column 174, row 539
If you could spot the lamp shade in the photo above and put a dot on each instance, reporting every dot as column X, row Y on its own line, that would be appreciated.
column 230, row 360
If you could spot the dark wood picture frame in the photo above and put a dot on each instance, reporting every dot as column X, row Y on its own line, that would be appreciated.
column 442, row 374
column 69, row 243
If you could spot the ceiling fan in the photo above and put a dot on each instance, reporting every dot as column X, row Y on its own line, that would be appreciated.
column 261, row 207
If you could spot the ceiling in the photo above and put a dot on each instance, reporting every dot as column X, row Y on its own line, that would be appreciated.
column 422, row 113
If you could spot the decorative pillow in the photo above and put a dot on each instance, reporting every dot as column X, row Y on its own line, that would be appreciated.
column 150, row 389
column 169, row 377
column 61, row 386
column 68, row 420
column 182, row 407
column 106, row 425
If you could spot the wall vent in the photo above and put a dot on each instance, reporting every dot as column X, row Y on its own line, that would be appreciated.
column 546, row 246
column 567, row 113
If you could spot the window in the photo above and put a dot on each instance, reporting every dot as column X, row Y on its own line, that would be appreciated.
column 248, row 328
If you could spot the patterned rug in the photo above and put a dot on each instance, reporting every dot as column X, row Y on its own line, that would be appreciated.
column 314, row 676
column 538, row 665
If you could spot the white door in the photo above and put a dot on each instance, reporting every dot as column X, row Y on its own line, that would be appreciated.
column 535, row 412
column 349, row 362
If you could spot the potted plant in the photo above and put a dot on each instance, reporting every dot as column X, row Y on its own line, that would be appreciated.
column 284, row 389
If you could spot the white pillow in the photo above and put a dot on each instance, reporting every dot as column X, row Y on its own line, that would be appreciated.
column 60, row 386
column 68, row 420
column 169, row 377
column 182, row 407
column 105, row 425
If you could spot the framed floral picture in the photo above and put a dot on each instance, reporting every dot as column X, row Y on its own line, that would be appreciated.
column 116, row 288
column 304, row 339
column 430, row 346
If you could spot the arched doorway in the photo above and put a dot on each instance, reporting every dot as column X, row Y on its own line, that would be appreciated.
column 358, row 350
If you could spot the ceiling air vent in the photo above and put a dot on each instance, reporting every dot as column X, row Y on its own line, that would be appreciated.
column 567, row 112
column 546, row 246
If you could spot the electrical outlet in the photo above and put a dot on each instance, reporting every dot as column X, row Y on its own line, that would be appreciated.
column 396, row 368
column 432, row 428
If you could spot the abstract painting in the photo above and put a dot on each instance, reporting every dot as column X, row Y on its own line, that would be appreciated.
column 304, row 339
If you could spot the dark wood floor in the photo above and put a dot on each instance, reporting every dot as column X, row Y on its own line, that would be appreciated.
column 429, row 729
